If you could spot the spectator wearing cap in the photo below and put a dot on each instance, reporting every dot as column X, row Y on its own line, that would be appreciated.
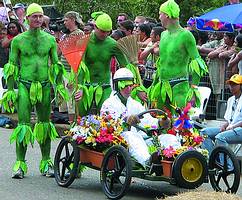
column 72, row 22
column 231, row 131
column 19, row 10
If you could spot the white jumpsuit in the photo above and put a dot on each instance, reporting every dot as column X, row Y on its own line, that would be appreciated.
column 137, row 146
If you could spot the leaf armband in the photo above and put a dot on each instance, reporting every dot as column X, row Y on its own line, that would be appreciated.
column 198, row 66
column 56, row 73
column 10, row 70
column 10, row 97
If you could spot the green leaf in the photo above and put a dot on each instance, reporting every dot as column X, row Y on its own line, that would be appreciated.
column 39, row 92
column 51, row 74
column 21, row 134
column 32, row 93
column 195, row 67
column 197, row 97
column 168, row 90
column 98, row 94
column 90, row 98
column 13, row 136
column 163, row 92
column 39, row 132
column 56, row 69
column 85, row 102
column 156, row 91
column 52, row 133
column 85, row 96
column 189, row 95
column 86, row 72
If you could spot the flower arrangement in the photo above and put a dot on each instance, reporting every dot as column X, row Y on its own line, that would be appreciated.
column 98, row 132
column 183, row 129
column 170, row 153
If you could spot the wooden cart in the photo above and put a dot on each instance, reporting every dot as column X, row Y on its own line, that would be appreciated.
column 189, row 170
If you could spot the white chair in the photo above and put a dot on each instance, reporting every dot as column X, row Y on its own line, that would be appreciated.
column 205, row 93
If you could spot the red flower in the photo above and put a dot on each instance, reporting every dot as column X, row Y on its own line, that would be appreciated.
column 171, row 131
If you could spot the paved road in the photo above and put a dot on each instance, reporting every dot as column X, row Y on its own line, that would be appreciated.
column 36, row 187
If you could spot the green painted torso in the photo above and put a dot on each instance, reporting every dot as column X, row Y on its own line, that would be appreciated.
column 176, row 50
column 98, row 56
column 34, row 49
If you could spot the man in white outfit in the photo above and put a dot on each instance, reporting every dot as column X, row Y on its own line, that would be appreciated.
column 121, row 105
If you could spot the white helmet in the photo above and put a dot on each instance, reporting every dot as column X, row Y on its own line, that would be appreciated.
column 123, row 74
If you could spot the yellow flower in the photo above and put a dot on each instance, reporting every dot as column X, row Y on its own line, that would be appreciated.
column 90, row 139
column 147, row 126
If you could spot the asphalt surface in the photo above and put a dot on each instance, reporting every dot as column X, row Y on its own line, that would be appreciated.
column 36, row 187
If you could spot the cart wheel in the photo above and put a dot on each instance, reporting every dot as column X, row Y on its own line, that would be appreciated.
column 190, row 169
column 116, row 172
column 66, row 162
column 221, row 178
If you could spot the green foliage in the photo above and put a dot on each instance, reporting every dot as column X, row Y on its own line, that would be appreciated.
column 132, row 8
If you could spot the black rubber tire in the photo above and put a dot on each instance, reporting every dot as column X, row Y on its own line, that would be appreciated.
column 219, row 172
column 190, row 169
column 66, row 162
column 115, row 179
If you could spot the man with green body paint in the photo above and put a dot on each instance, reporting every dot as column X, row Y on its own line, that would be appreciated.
column 33, row 49
column 100, row 49
column 177, row 50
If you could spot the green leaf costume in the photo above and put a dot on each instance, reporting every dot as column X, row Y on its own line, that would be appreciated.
column 179, row 65
column 95, row 81
column 29, row 67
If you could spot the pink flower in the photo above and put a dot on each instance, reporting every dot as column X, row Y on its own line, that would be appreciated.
column 198, row 139
column 79, row 140
column 169, row 152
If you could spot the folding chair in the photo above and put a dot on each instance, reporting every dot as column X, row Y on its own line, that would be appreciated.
column 199, row 113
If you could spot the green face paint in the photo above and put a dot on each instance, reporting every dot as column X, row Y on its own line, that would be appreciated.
column 123, row 84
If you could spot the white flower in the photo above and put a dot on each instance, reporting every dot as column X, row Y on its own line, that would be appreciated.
column 78, row 131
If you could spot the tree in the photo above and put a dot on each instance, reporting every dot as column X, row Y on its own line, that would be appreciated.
column 132, row 8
